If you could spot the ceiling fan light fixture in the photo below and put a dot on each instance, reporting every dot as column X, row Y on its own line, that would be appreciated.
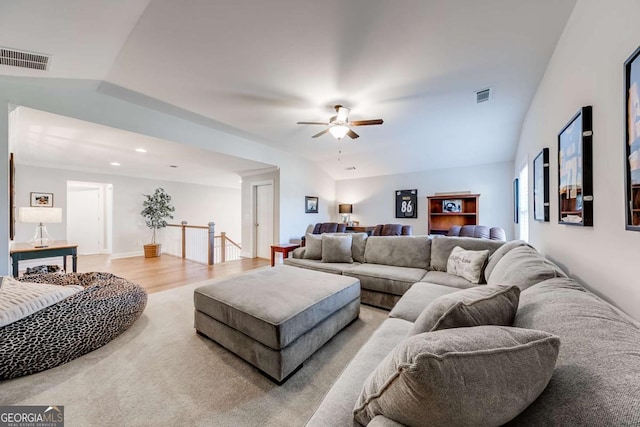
column 339, row 131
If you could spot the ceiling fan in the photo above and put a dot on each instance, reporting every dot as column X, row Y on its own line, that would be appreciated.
column 339, row 125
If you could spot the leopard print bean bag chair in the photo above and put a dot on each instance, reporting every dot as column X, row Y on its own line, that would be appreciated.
column 74, row 326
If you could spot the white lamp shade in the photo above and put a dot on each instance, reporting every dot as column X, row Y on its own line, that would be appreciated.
column 339, row 131
column 40, row 215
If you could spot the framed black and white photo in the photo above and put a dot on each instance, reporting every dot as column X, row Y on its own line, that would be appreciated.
column 632, row 140
column 42, row 200
column 310, row 204
column 541, row 186
column 407, row 204
column 452, row 205
column 575, row 176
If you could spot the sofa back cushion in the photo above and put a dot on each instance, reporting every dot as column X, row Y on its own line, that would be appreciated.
column 358, row 244
column 313, row 246
column 484, row 375
column 597, row 380
column 499, row 253
column 523, row 266
column 441, row 247
column 399, row 251
column 336, row 248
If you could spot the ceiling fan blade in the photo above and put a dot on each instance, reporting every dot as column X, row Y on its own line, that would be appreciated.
column 313, row 123
column 366, row 122
column 352, row 134
column 320, row 133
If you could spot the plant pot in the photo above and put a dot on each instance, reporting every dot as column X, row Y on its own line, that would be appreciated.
column 152, row 250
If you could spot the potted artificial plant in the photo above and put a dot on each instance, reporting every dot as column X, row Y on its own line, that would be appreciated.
column 157, row 208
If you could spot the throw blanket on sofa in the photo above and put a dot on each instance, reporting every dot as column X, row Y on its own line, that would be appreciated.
column 21, row 299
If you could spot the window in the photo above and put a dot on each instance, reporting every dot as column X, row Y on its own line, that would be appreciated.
column 523, row 203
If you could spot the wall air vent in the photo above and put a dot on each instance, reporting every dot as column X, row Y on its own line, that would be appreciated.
column 483, row 95
column 23, row 59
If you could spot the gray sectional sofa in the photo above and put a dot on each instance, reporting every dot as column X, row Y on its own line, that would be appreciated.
column 596, row 380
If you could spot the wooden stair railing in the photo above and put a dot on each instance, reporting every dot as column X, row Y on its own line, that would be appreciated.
column 225, row 242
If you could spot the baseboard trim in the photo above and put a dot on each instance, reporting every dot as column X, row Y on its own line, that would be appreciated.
column 127, row 255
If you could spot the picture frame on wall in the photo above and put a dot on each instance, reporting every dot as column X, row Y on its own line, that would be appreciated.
column 12, row 197
column 452, row 205
column 516, row 198
column 42, row 200
column 310, row 204
column 575, row 174
column 541, row 186
column 632, row 140
column 407, row 203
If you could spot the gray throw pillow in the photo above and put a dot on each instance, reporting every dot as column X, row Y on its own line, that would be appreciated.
column 336, row 248
column 524, row 266
column 467, row 264
column 482, row 305
column 313, row 246
column 485, row 375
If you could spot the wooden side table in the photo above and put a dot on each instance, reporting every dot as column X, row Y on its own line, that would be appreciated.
column 284, row 249
column 25, row 251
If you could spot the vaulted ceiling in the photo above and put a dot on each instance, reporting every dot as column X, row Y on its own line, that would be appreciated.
column 258, row 67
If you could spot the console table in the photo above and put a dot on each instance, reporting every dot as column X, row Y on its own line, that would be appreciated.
column 25, row 251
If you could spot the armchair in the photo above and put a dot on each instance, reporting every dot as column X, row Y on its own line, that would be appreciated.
column 478, row 231
column 392, row 230
column 326, row 227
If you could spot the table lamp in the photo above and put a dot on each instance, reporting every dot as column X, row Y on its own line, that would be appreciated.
column 345, row 210
column 40, row 216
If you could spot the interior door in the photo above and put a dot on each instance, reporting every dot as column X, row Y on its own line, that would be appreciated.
column 85, row 222
column 264, row 220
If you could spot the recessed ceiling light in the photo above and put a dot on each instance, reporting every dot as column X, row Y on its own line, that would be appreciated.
column 141, row 150
column 114, row 164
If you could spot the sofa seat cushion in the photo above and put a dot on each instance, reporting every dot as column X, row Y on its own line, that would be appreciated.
column 597, row 376
column 485, row 376
column 386, row 278
column 523, row 266
column 417, row 298
column 336, row 408
column 482, row 305
column 318, row 265
column 446, row 279
column 441, row 247
column 399, row 251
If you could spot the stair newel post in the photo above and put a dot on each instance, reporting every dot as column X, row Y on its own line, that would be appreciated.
column 184, row 239
column 223, row 248
column 212, row 237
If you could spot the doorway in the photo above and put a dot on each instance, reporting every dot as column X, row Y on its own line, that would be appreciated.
column 89, row 216
column 263, row 228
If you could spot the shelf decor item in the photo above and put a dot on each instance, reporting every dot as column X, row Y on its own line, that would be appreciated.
column 310, row 204
column 541, row 187
column 156, row 210
column 42, row 200
column 407, row 204
column 632, row 140
column 575, row 176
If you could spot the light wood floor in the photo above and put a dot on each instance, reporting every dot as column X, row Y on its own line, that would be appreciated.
column 166, row 271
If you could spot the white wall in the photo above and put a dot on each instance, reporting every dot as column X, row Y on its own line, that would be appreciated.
column 196, row 204
column 587, row 69
column 373, row 198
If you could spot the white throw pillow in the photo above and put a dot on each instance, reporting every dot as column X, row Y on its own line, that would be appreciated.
column 467, row 264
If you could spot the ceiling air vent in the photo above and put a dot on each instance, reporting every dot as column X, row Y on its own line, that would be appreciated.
column 23, row 59
column 483, row 95
column 350, row 168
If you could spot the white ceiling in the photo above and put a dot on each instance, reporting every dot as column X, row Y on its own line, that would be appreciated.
column 261, row 66
column 50, row 140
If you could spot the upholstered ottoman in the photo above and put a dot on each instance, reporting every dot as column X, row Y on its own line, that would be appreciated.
column 276, row 318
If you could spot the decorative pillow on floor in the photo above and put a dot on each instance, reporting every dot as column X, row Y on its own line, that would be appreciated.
column 468, row 376
column 313, row 246
column 467, row 264
column 336, row 248
column 482, row 305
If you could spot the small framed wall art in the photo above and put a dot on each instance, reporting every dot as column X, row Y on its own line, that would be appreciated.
column 541, row 186
column 632, row 140
column 42, row 200
column 516, row 200
column 407, row 204
column 575, row 175
column 310, row 204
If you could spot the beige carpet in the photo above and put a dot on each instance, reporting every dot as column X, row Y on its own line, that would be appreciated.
column 161, row 373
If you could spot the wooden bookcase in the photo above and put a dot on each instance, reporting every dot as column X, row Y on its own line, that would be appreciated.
column 452, row 209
